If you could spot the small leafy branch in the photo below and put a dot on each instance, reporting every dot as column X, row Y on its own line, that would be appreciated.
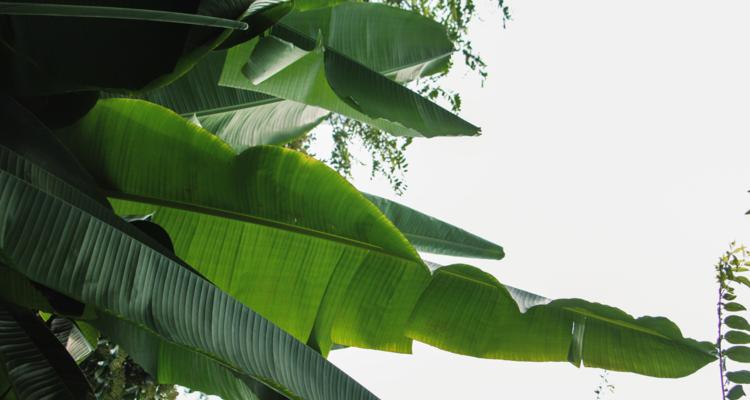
column 729, row 271
column 604, row 386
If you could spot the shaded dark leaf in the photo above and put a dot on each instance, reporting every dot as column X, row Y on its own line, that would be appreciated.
column 737, row 337
column 738, row 353
column 736, row 392
column 739, row 376
column 734, row 307
column 737, row 322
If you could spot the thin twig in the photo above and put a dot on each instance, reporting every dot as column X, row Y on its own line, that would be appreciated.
column 77, row 11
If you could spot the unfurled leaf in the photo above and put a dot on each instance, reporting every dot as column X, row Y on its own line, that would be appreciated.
column 272, row 218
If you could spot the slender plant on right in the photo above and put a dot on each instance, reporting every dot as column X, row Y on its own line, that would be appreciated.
column 730, row 343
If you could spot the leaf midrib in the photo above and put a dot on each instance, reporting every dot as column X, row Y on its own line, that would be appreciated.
column 258, row 221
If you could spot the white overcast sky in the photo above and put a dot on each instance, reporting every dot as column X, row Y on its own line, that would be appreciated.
column 613, row 166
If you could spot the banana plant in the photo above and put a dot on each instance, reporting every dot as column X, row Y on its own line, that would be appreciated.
column 223, row 263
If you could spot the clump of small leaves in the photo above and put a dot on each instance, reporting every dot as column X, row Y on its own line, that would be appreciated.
column 115, row 376
column 605, row 388
column 732, row 328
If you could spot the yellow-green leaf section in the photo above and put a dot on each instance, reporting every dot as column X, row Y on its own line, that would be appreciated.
column 467, row 311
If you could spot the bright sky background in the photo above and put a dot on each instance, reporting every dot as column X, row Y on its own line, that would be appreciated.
column 613, row 166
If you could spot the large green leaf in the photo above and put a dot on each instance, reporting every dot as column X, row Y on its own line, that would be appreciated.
column 326, row 78
column 280, row 231
column 432, row 235
column 288, row 236
column 467, row 311
column 177, row 325
column 51, row 54
column 33, row 364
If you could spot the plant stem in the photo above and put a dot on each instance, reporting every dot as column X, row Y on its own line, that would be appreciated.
column 718, row 344
column 66, row 10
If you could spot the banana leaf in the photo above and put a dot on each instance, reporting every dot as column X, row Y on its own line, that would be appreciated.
column 271, row 226
column 467, row 311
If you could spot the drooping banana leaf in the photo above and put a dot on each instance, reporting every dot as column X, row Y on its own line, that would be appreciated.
column 33, row 364
column 399, row 44
column 467, row 311
column 325, row 78
column 280, row 231
column 266, row 220
column 432, row 235
column 45, row 54
column 177, row 325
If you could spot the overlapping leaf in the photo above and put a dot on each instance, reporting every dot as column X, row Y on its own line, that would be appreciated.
column 33, row 364
column 177, row 325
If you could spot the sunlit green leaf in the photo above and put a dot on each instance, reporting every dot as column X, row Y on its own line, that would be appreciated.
column 467, row 311
column 285, row 234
